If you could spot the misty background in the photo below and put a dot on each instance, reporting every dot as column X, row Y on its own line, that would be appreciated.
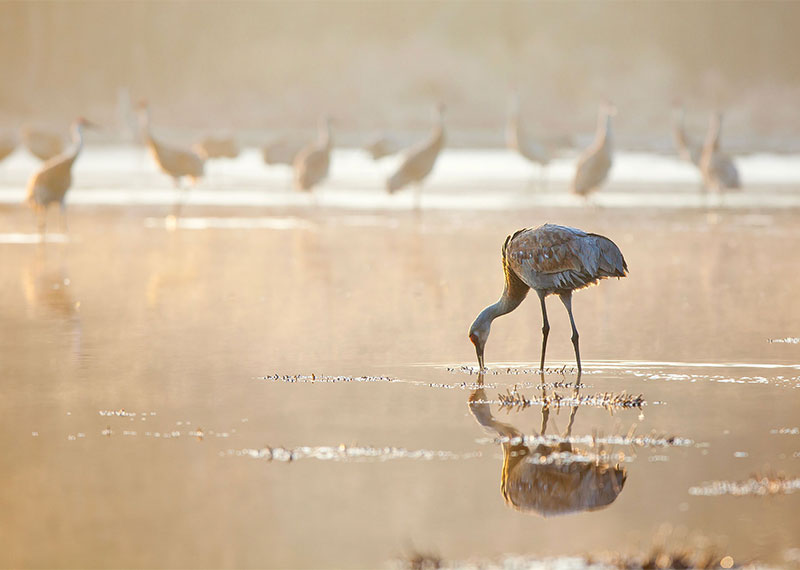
column 252, row 67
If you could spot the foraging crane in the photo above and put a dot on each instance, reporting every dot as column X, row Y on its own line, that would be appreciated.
column 719, row 171
column 595, row 162
column 419, row 159
column 528, row 148
column 550, row 260
column 41, row 144
column 312, row 163
column 50, row 183
column 173, row 162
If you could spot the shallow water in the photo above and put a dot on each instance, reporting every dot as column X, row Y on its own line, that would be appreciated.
column 292, row 386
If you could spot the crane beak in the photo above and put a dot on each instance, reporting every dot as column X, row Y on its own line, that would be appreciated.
column 479, row 352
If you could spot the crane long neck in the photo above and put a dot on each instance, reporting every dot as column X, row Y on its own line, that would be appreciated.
column 77, row 140
column 504, row 305
column 604, row 135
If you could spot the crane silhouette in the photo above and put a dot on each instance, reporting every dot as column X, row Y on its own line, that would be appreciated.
column 516, row 140
column 419, row 159
column 174, row 162
column 50, row 183
column 595, row 162
column 312, row 163
column 551, row 260
column 719, row 171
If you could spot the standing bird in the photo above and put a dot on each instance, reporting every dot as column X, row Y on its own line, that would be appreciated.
column 312, row 163
column 419, row 159
column 41, row 144
column 595, row 162
column 528, row 148
column 549, row 259
column 719, row 171
column 173, row 162
column 50, row 183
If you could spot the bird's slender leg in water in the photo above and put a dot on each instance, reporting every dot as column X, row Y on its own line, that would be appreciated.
column 546, row 408
column 417, row 198
column 566, row 298
column 545, row 329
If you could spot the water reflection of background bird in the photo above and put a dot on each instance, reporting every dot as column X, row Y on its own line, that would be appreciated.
column 548, row 479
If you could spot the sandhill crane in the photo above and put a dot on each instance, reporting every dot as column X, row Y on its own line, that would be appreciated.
column 281, row 151
column 312, row 162
column 516, row 140
column 595, row 162
column 537, row 478
column 216, row 147
column 173, row 162
column 7, row 145
column 419, row 159
column 50, row 183
column 551, row 260
column 719, row 171
column 382, row 146
column 41, row 144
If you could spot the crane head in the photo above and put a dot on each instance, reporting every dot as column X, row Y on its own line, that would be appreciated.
column 478, row 334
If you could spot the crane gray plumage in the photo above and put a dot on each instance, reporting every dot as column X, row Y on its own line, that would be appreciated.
column 50, row 183
column 419, row 159
column 312, row 163
column 595, row 162
column 174, row 162
column 517, row 141
column 550, row 259
column 718, row 169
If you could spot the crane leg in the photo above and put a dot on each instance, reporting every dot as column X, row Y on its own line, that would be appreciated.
column 545, row 328
column 566, row 298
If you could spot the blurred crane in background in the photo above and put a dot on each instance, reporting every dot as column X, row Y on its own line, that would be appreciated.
column 419, row 159
column 50, row 183
column 595, row 162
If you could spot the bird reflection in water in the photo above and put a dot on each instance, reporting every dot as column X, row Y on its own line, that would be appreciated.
column 48, row 294
column 548, row 479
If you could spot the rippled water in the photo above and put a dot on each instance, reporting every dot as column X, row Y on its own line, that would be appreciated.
column 292, row 386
